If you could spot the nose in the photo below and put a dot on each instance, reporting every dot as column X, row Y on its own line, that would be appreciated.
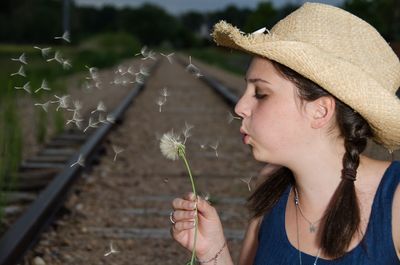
column 242, row 107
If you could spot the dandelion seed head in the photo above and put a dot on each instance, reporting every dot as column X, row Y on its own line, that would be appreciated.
column 170, row 144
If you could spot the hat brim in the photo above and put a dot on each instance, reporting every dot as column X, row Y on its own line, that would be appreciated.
column 341, row 78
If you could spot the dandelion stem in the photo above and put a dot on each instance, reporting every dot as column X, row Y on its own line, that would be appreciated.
column 181, row 152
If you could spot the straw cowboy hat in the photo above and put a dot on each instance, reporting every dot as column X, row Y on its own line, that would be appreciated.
column 340, row 52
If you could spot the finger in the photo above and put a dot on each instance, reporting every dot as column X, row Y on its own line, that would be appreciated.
column 180, row 215
column 189, row 196
column 205, row 209
column 182, row 226
column 181, row 204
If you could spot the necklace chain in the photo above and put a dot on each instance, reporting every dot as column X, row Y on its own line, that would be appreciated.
column 312, row 225
column 297, row 205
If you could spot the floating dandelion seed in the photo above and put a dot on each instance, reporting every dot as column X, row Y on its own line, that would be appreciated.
column 160, row 101
column 20, row 72
column 120, row 70
column 21, row 59
column 26, row 87
column 139, row 78
column 131, row 70
column 112, row 250
column 44, row 51
column 186, row 131
column 203, row 146
column 62, row 102
column 151, row 55
column 91, row 124
column 110, row 118
column 66, row 64
column 77, row 121
column 100, row 108
column 143, row 51
column 80, row 161
column 65, row 37
column 215, row 147
column 247, row 181
column 172, row 148
column 57, row 57
column 43, row 86
column 164, row 93
column 231, row 117
column 44, row 106
column 191, row 68
column 117, row 150
column 169, row 57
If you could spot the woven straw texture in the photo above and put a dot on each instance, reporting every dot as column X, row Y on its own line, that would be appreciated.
column 340, row 52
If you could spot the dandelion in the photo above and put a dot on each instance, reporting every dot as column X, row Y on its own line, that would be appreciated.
column 172, row 148
column 231, row 118
column 45, row 51
column 169, row 57
column 100, row 108
column 26, row 87
column 44, row 106
column 21, row 59
column 91, row 124
column 215, row 147
column 93, row 71
column 65, row 37
column 117, row 150
column 247, row 181
column 20, row 72
column 76, row 120
column 43, row 86
column 112, row 250
column 80, row 161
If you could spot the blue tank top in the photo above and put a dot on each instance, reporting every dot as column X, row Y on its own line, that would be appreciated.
column 376, row 248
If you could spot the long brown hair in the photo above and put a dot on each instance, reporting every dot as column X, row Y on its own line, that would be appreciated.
column 342, row 216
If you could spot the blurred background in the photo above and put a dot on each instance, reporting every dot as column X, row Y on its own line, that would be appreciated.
column 102, row 33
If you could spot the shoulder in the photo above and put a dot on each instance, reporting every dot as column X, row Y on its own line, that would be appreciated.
column 250, row 242
column 396, row 218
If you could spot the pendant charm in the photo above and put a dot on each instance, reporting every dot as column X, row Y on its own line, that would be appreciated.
column 312, row 228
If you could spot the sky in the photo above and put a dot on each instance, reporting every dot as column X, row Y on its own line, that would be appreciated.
column 181, row 6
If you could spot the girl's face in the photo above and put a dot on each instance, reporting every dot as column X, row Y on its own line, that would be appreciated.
column 274, row 124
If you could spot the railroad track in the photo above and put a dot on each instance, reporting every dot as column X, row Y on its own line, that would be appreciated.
column 50, row 174
column 23, row 234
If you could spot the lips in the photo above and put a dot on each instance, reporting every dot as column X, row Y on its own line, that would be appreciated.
column 245, row 136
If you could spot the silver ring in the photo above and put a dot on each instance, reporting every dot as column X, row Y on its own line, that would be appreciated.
column 171, row 217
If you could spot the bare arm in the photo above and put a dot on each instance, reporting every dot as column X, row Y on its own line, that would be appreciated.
column 250, row 242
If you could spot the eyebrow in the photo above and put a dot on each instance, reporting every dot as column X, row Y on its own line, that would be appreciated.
column 254, row 80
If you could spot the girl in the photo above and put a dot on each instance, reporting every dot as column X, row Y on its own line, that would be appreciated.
column 320, row 84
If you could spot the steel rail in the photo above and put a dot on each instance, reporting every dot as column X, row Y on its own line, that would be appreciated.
column 24, row 233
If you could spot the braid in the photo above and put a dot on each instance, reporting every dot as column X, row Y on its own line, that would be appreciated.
column 343, row 212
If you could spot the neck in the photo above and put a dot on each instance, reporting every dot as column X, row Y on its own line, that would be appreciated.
column 317, row 176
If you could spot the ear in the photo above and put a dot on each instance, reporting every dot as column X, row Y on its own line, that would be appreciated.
column 321, row 111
